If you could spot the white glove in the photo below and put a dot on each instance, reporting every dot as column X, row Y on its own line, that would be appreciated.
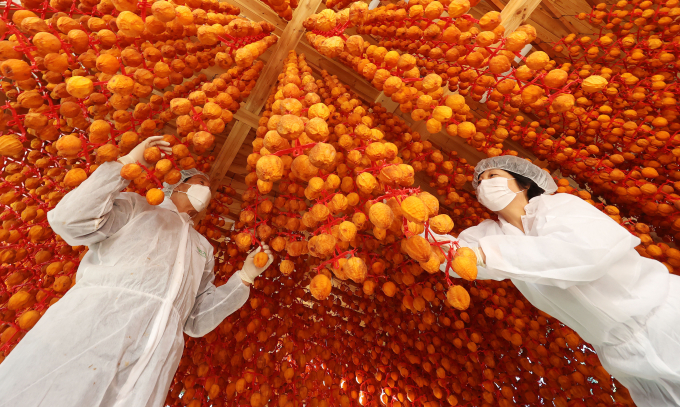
column 249, row 272
column 137, row 153
column 433, row 237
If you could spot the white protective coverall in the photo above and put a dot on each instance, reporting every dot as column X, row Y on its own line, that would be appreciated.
column 115, row 339
column 578, row 265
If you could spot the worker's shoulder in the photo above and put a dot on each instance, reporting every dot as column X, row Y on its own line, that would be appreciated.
column 559, row 198
column 484, row 228
column 486, row 223
column 562, row 202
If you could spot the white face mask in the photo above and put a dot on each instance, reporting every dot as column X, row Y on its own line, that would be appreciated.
column 495, row 194
column 199, row 196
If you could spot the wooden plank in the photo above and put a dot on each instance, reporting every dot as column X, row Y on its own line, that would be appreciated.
column 246, row 116
column 547, row 29
column 290, row 37
column 556, row 13
column 387, row 102
column 497, row 4
column 592, row 3
column 568, row 9
column 515, row 12
column 228, row 152
column 288, row 41
column 257, row 11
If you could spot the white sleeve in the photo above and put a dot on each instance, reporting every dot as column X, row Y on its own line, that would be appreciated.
column 576, row 244
column 213, row 304
column 96, row 209
column 472, row 234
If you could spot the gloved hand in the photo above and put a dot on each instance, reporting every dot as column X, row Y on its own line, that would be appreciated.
column 434, row 238
column 249, row 271
column 137, row 153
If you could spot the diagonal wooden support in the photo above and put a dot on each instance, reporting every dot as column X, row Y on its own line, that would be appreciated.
column 256, row 11
column 246, row 116
column 289, row 39
column 228, row 152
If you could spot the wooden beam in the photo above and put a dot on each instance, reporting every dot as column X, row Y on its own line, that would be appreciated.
column 257, row 11
column 246, row 116
column 387, row 102
column 515, row 12
column 497, row 4
column 546, row 30
column 566, row 11
column 289, row 39
column 228, row 152
column 556, row 13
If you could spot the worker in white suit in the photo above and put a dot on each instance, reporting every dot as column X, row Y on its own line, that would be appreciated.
column 116, row 338
column 575, row 263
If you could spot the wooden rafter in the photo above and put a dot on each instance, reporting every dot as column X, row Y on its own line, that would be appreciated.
column 290, row 37
column 257, row 11
column 228, row 152
column 246, row 116
column 516, row 11
column 497, row 4
column 566, row 11
column 553, row 10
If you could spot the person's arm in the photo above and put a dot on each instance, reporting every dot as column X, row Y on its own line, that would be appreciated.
column 96, row 209
column 576, row 244
column 213, row 304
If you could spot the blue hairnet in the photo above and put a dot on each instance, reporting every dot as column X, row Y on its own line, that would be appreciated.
column 186, row 174
column 519, row 166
